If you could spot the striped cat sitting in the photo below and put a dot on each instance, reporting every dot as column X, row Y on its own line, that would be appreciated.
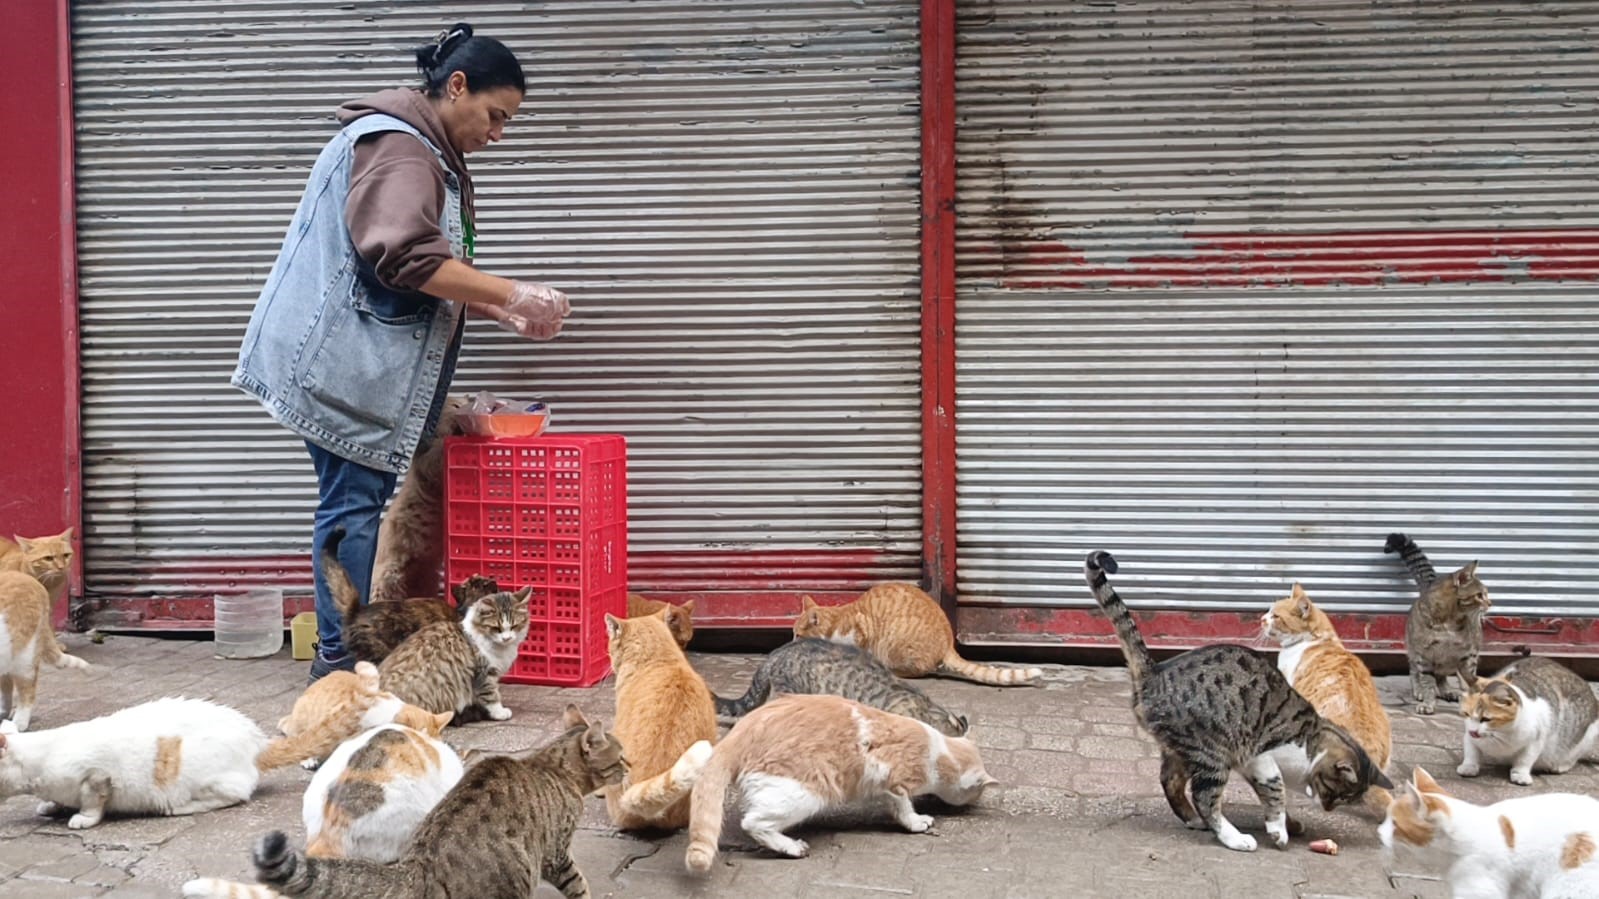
column 1227, row 708
column 1535, row 714
column 822, row 666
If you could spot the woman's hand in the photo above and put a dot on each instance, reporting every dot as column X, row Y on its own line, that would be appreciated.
column 535, row 310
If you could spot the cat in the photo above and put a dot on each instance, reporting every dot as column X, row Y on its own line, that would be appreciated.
column 507, row 824
column 1530, row 847
column 1535, row 713
column 365, row 803
column 410, row 549
column 48, row 559
column 666, row 719
column 455, row 666
column 172, row 756
column 26, row 643
column 372, row 631
column 1223, row 708
column 905, row 628
column 822, row 666
column 1337, row 683
column 680, row 618
column 1443, row 634
column 800, row 756
column 345, row 703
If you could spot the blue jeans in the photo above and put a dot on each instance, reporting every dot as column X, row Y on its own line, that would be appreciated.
column 351, row 496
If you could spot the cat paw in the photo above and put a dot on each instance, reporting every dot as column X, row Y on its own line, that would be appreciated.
column 499, row 713
column 919, row 823
column 310, row 764
column 692, row 762
column 1278, row 833
column 47, row 810
column 1196, row 824
column 1426, row 708
column 799, row 849
column 80, row 821
column 1465, row 770
column 1238, row 842
column 1521, row 778
column 1449, row 695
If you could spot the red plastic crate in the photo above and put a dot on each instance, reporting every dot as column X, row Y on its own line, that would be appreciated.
column 550, row 513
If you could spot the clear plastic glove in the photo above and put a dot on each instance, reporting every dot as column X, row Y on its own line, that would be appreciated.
column 535, row 310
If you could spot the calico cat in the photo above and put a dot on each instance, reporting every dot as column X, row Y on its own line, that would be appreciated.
column 680, row 618
column 366, row 802
column 26, row 642
column 47, row 559
column 507, row 824
column 905, row 628
column 1530, row 847
column 665, row 718
column 1225, row 708
column 410, row 549
column 456, row 666
column 800, row 756
column 1535, row 713
column 822, row 666
column 345, row 703
column 1443, row 634
column 167, row 757
column 1334, row 679
column 372, row 631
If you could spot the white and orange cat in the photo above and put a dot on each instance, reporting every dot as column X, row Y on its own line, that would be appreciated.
column 1337, row 683
column 48, row 559
column 1530, row 847
column 26, row 643
column 665, row 719
column 905, row 628
column 799, row 756
column 342, row 705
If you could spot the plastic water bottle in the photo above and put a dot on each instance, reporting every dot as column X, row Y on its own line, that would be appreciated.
column 249, row 624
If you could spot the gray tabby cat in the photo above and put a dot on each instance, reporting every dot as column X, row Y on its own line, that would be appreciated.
column 1443, row 634
column 507, row 824
column 1535, row 713
column 456, row 666
column 1226, row 708
column 821, row 666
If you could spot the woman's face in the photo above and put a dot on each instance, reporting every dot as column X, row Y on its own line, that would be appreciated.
column 474, row 119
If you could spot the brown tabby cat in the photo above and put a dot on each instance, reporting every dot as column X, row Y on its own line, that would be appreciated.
column 49, row 559
column 456, row 666
column 1334, row 679
column 665, row 718
column 26, row 641
column 345, row 703
column 1443, row 634
column 905, row 628
column 505, row 826
column 373, row 631
column 411, row 535
column 680, row 618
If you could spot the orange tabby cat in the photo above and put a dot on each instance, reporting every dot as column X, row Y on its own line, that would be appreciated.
column 679, row 618
column 905, row 628
column 410, row 549
column 339, row 706
column 665, row 720
column 1337, row 683
column 26, row 641
column 49, row 559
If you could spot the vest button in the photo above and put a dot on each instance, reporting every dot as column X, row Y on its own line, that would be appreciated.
column 419, row 333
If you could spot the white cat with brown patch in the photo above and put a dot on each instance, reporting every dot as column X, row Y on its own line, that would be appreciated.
column 799, row 756
column 26, row 643
column 1530, row 847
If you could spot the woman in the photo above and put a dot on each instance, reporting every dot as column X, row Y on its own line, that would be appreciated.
column 355, row 336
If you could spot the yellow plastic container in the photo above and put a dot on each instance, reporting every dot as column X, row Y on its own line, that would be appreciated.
column 302, row 636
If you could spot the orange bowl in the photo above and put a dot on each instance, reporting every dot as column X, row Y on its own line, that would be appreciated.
column 519, row 424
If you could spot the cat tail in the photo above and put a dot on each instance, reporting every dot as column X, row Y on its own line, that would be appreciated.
column 760, row 689
column 53, row 653
column 217, row 888
column 314, row 743
column 1138, row 661
column 988, row 674
column 346, row 598
column 1415, row 560
column 292, row 873
column 706, row 804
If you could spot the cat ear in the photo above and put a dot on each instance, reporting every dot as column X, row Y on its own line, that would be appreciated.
column 573, row 717
column 613, row 625
column 442, row 720
column 688, row 607
column 1424, row 782
column 23, row 542
column 522, row 594
column 806, row 603
column 67, row 535
column 1465, row 575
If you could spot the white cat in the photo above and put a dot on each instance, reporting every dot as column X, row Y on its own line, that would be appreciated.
column 1530, row 847
column 167, row 757
column 1536, row 714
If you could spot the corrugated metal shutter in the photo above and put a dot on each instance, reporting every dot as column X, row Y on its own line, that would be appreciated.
column 1244, row 286
column 728, row 190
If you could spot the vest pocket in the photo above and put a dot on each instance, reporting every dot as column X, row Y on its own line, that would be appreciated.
column 388, row 306
column 364, row 368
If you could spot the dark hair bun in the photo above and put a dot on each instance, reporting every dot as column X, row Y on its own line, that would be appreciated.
column 430, row 57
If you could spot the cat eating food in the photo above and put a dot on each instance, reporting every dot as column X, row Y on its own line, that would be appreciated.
column 1535, row 714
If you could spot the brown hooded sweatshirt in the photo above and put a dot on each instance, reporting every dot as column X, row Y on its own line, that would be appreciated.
column 397, row 190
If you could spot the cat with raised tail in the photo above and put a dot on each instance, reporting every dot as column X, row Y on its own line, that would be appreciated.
column 1535, row 714
column 167, row 757
column 905, row 628
column 1225, row 708
column 1443, row 634
column 504, row 827
column 1530, row 847
column 410, row 550
column 343, row 704
column 800, row 756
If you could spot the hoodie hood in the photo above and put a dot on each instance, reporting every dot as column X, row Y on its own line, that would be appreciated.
column 411, row 106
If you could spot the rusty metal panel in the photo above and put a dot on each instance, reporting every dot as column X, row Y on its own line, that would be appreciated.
column 1245, row 286
column 726, row 189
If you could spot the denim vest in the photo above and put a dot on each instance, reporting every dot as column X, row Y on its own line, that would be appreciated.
column 350, row 365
